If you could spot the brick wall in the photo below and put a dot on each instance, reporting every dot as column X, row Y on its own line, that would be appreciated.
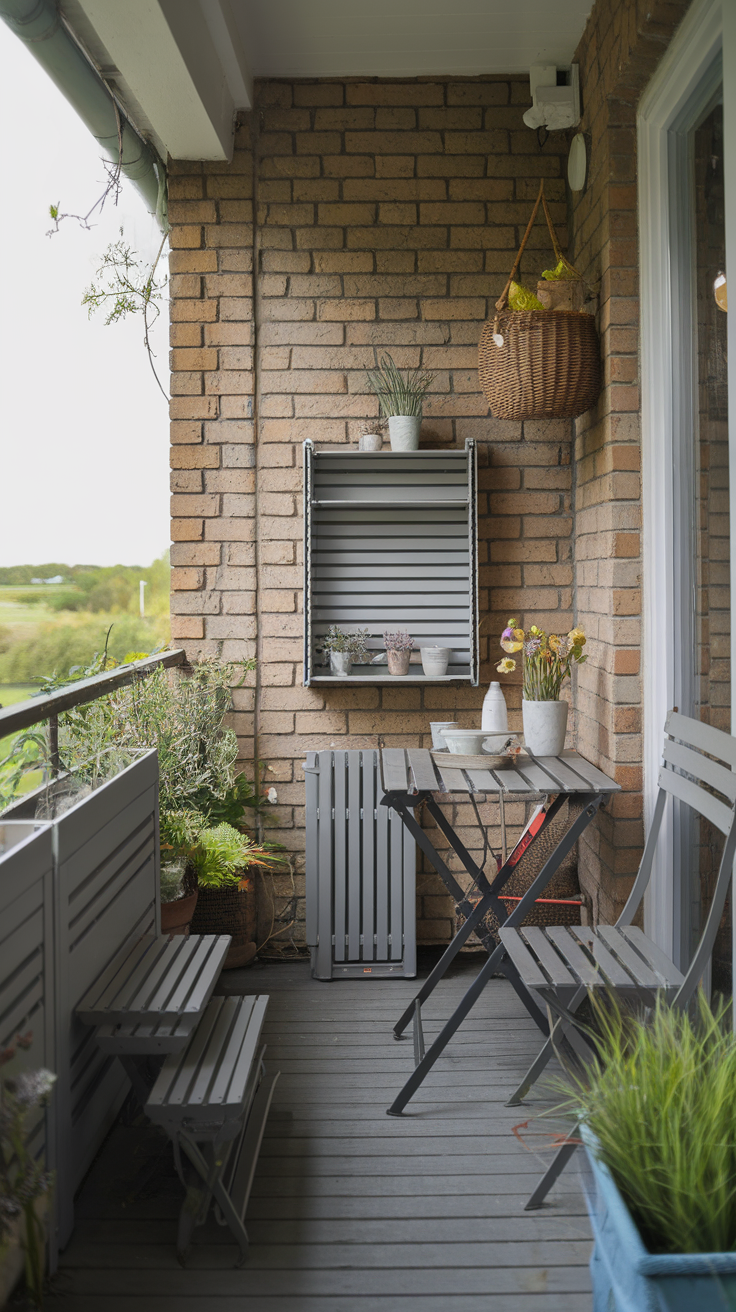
column 621, row 47
column 355, row 217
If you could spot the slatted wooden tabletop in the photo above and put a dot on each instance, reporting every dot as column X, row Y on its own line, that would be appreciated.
column 155, row 981
column 352, row 1210
column 415, row 770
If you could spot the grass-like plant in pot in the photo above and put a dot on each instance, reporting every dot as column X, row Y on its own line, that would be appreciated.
column 344, row 648
column 401, row 400
column 399, row 646
column 548, row 659
column 223, row 861
column 658, row 1118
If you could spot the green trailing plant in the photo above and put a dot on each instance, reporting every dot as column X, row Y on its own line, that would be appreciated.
column 223, row 854
column 337, row 639
column 178, row 835
column 399, row 393
column 23, row 1179
column 659, row 1098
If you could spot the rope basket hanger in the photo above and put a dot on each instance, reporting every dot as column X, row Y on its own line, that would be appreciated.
column 539, row 364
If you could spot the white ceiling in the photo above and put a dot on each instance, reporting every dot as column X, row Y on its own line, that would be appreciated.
column 397, row 38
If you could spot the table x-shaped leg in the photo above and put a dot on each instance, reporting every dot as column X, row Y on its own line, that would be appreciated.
column 497, row 960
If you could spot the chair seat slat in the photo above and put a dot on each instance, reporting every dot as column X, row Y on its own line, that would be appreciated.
column 523, row 959
column 573, row 954
column 658, row 960
column 551, row 962
column 613, row 971
column 642, row 973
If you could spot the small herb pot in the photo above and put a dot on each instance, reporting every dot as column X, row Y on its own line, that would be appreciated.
column 176, row 916
column 398, row 661
column 340, row 663
column 545, row 726
column 370, row 442
column 404, row 431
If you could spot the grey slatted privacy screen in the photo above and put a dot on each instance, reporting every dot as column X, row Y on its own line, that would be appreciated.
column 360, row 872
column 391, row 542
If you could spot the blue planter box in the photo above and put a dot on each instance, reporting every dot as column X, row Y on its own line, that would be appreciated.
column 627, row 1277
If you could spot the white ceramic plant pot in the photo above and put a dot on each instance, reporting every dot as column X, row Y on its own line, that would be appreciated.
column 435, row 661
column 545, row 725
column 340, row 662
column 404, row 432
column 370, row 442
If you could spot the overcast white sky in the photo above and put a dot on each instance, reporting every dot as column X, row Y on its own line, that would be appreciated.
column 83, row 427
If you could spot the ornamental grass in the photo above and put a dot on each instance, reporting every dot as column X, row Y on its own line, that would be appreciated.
column 660, row 1099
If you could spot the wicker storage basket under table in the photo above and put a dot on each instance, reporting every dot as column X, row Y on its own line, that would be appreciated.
column 539, row 364
column 229, row 911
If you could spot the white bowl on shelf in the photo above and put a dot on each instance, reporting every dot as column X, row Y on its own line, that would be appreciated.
column 464, row 742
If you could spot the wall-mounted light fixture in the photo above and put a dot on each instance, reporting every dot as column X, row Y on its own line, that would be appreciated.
column 555, row 106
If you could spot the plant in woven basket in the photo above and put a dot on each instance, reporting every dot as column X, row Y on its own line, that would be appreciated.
column 547, row 659
column 399, row 393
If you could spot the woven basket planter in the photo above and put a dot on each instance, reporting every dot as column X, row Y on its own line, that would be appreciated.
column 539, row 364
column 229, row 911
column 547, row 368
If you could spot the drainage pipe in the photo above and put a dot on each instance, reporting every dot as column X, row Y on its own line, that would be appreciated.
column 41, row 28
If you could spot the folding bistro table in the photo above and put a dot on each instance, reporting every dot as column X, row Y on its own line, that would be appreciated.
column 411, row 776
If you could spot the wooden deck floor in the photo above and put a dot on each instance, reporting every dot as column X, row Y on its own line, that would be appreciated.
column 352, row 1210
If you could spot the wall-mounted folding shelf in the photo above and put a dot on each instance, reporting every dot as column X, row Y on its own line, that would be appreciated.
column 391, row 542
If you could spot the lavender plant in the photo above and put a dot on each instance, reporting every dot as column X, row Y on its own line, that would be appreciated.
column 398, row 640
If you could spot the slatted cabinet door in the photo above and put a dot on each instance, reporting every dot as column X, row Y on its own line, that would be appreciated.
column 26, row 965
column 391, row 542
column 361, row 871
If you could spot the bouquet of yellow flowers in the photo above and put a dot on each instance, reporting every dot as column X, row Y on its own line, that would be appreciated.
column 547, row 659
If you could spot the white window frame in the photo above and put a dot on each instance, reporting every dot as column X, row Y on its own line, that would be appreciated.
column 678, row 91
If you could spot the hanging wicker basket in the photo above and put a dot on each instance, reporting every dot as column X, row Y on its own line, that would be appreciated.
column 539, row 364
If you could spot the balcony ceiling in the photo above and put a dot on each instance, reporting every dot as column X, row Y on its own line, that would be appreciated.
column 184, row 67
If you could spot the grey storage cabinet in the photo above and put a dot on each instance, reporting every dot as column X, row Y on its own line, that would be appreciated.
column 391, row 542
column 360, row 872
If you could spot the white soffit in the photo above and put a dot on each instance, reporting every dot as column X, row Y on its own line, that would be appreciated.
column 407, row 38
column 183, row 63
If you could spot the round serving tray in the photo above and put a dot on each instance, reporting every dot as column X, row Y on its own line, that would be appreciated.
column 459, row 761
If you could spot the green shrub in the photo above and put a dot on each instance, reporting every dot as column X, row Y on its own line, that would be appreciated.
column 661, row 1100
column 57, row 647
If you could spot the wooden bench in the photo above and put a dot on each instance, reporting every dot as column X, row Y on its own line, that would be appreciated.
column 212, row 1099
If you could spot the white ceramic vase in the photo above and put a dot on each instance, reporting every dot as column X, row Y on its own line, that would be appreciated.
column 404, row 432
column 545, row 725
column 370, row 442
column 340, row 663
column 435, row 661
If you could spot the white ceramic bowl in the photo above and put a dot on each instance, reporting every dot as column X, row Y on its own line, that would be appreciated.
column 496, row 742
column 464, row 741
column 438, row 728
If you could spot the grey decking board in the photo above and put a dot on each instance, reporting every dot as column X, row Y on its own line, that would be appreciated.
column 350, row 1208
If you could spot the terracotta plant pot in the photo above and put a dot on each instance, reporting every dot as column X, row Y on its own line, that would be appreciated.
column 176, row 916
column 398, row 661
column 229, row 911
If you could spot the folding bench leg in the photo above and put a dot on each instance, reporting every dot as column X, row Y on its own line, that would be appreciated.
column 196, row 1204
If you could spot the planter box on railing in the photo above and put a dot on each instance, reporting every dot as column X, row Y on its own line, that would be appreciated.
column 626, row 1276
column 102, row 858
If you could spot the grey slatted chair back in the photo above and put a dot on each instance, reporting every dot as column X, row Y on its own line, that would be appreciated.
column 698, row 769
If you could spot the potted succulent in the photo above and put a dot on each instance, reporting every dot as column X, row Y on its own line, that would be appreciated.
column 399, row 647
column 658, row 1124
column 344, row 648
column 222, row 859
column 401, row 399
column 547, row 662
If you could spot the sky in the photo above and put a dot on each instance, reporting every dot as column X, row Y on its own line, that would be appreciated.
column 83, row 426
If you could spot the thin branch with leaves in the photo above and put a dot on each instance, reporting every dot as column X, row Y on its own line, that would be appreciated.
column 127, row 286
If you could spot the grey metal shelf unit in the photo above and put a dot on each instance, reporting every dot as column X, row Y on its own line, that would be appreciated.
column 391, row 542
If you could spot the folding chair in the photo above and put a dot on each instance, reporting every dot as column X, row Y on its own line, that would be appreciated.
column 560, row 964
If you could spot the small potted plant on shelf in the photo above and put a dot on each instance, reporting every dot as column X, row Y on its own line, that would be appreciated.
column 401, row 400
column 399, row 646
column 658, row 1122
column 344, row 648
column 547, row 661
column 222, row 860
